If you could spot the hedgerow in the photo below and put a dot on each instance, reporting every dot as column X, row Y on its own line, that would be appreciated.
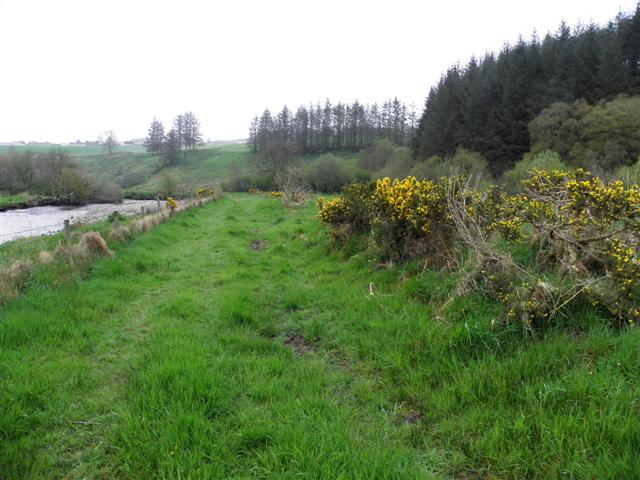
column 585, row 232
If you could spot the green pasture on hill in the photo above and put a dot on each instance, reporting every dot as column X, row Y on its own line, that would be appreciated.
column 233, row 342
column 140, row 172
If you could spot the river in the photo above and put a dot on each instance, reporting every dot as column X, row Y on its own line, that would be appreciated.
column 37, row 221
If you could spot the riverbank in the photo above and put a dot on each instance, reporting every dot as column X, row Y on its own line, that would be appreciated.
column 20, row 200
column 24, row 200
column 48, row 219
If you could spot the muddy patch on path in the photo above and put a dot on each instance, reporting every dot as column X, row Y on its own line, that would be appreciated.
column 299, row 344
column 258, row 244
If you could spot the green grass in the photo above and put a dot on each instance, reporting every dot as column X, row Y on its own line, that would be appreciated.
column 144, row 171
column 191, row 354
column 7, row 201
column 73, row 149
column 141, row 172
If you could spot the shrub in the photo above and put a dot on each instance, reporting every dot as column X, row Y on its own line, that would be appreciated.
column 328, row 174
column 293, row 187
column 354, row 207
column 106, row 191
column 465, row 163
column 400, row 163
column 171, row 204
column 586, row 231
column 405, row 217
column 245, row 183
column 131, row 179
column 168, row 184
column 72, row 187
column 376, row 157
column 545, row 160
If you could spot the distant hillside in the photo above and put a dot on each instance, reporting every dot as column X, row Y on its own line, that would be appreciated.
column 140, row 172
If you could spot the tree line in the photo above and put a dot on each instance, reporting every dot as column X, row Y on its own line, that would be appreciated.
column 184, row 134
column 487, row 105
column 328, row 127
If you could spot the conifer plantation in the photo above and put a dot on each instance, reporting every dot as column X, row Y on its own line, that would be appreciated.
column 487, row 105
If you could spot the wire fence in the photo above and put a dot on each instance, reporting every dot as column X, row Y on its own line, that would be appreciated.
column 58, row 225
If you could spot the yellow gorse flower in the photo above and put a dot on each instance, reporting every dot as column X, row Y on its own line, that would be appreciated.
column 171, row 203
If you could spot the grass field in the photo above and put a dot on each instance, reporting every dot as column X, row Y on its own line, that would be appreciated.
column 73, row 149
column 231, row 342
column 7, row 201
column 139, row 171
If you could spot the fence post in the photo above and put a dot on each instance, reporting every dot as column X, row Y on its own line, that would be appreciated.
column 67, row 231
column 116, row 220
column 157, row 203
column 142, row 210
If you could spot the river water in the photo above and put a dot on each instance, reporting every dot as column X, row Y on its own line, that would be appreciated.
column 37, row 221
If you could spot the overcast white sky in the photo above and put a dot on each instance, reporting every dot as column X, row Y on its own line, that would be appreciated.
column 74, row 68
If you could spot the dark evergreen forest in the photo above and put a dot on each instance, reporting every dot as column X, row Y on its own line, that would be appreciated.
column 487, row 105
column 322, row 129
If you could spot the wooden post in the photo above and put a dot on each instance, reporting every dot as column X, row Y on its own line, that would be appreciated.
column 142, row 210
column 157, row 203
column 67, row 231
column 116, row 220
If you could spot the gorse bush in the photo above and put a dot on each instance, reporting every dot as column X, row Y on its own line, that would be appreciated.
column 409, row 219
column 585, row 232
column 171, row 204
column 545, row 160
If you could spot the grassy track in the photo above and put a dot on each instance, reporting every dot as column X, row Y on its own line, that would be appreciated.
column 230, row 343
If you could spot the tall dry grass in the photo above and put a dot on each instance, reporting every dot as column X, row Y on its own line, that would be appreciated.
column 79, row 256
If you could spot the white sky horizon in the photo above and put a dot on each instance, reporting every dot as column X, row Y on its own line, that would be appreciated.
column 76, row 68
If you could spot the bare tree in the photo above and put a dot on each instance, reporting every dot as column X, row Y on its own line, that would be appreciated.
column 275, row 159
column 108, row 140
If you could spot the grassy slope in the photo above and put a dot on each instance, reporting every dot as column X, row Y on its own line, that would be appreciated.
column 171, row 361
column 206, row 166
column 73, row 149
column 142, row 172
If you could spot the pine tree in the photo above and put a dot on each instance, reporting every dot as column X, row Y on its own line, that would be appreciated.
column 155, row 136
column 178, row 129
column 191, row 136
column 171, row 147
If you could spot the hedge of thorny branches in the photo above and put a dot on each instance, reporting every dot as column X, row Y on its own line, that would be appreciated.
column 585, row 232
